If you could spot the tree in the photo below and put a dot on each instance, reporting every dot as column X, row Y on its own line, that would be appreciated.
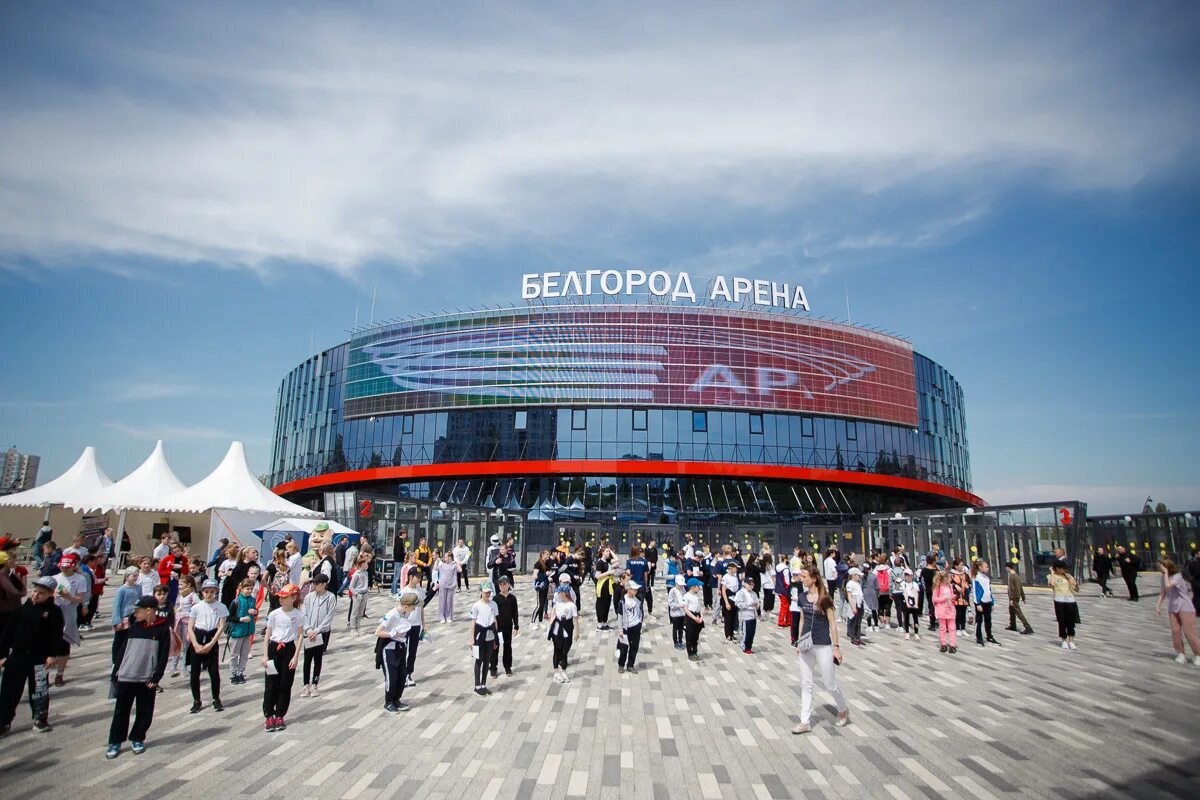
column 1160, row 507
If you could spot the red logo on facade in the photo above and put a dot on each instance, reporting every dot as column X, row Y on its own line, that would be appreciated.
column 1064, row 516
column 364, row 508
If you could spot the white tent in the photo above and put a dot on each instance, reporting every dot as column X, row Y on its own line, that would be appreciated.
column 145, row 487
column 74, row 489
column 304, row 526
column 232, row 485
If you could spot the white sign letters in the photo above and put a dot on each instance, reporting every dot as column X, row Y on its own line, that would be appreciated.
column 614, row 282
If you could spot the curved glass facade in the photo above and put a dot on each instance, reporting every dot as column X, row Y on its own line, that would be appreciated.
column 313, row 437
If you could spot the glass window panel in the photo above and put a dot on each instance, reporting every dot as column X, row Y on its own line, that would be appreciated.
column 699, row 422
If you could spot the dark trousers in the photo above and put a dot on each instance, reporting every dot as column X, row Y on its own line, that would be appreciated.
column 795, row 626
column 749, row 626
column 562, row 648
column 201, row 662
column 130, row 695
column 1102, row 579
column 854, row 626
column 486, row 646
column 768, row 600
column 277, row 690
column 627, row 651
column 708, row 595
column 93, row 604
column 677, row 630
column 1015, row 613
column 910, row 616
column 1066, row 615
column 983, row 621
column 960, row 618
column 503, row 650
column 313, row 655
column 543, row 596
column 414, row 641
column 929, row 605
column 19, row 671
column 463, row 579
column 729, row 617
column 1131, row 582
column 395, row 665
column 692, row 635
column 603, row 602
column 647, row 595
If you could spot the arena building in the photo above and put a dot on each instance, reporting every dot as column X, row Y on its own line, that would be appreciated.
column 623, row 421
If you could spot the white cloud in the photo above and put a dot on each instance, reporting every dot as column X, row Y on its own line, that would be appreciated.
column 337, row 139
column 152, row 432
column 1101, row 498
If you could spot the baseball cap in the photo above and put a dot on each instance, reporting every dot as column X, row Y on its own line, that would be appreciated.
column 564, row 578
column 69, row 560
column 129, row 571
column 694, row 582
column 854, row 571
column 209, row 584
column 146, row 602
column 495, row 539
column 486, row 586
column 633, row 585
column 289, row 590
column 48, row 584
column 504, row 579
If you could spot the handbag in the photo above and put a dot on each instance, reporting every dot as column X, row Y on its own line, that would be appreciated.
column 806, row 642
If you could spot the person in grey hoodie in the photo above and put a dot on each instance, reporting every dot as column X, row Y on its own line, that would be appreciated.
column 141, row 660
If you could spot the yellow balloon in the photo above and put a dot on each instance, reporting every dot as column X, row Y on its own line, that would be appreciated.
column 1012, row 549
column 973, row 548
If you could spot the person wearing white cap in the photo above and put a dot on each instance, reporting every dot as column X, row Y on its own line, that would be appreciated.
column 854, row 606
column 563, row 630
column 630, row 637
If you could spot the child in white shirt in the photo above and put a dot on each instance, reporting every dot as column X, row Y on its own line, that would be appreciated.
column 747, row 603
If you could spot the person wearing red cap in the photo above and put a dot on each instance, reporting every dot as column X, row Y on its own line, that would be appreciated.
column 71, row 593
column 285, row 637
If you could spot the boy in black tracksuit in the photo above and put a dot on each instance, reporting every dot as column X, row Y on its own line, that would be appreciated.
column 29, row 643
column 508, row 622
column 141, row 651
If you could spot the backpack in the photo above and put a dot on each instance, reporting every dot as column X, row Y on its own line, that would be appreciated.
column 881, row 576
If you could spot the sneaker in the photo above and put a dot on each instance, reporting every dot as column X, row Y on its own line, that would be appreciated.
column 803, row 727
column 280, row 724
column 1196, row 661
column 1027, row 631
column 748, row 652
column 1066, row 646
column 217, row 706
column 916, row 637
column 175, row 673
column 508, row 673
column 1010, row 628
column 1072, row 646
column 42, row 725
column 843, row 719
column 980, row 643
column 558, row 677
column 943, row 649
column 495, row 673
column 566, row 679
column 990, row 640
column 694, row 658
column 620, row 670
column 401, row 706
column 392, row 708
column 4, row 729
column 479, row 691
column 113, row 751
column 269, row 724
column 1180, row 658
column 196, row 706
column 315, row 692
column 58, row 680
column 633, row 670
column 907, row 637
column 953, row 649
column 305, row 692
column 409, row 682
column 137, row 747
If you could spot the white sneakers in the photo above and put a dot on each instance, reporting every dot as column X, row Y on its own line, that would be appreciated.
column 1072, row 645
column 561, row 677
column 1180, row 658
column 1066, row 646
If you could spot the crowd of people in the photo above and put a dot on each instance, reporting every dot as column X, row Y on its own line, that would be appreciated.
column 176, row 612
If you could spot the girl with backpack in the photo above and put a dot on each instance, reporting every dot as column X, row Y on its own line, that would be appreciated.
column 882, row 580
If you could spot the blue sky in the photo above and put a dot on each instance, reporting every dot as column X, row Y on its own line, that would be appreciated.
column 190, row 197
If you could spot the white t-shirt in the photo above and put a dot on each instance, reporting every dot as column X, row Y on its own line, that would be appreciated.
column 226, row 567
column 161, row 551
column 830, row 570
column 414, row 616
column 351, row 554
column 675, row 601
column 855, row 593
column 295, row 564
column 485, row 614
column 397, row 625
column 183, row 606
column 285, row 625
column 206, row 616
column 147, row 581
column 731, row 583
column 694, row 603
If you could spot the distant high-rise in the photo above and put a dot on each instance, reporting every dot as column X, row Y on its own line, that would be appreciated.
column 20, row 471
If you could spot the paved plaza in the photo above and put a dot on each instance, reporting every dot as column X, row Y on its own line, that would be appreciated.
column 1118, row 718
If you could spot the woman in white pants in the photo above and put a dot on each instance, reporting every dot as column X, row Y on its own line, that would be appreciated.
column 818, row 648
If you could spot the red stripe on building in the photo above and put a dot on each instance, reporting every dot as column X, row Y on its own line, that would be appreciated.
column 627, row 468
